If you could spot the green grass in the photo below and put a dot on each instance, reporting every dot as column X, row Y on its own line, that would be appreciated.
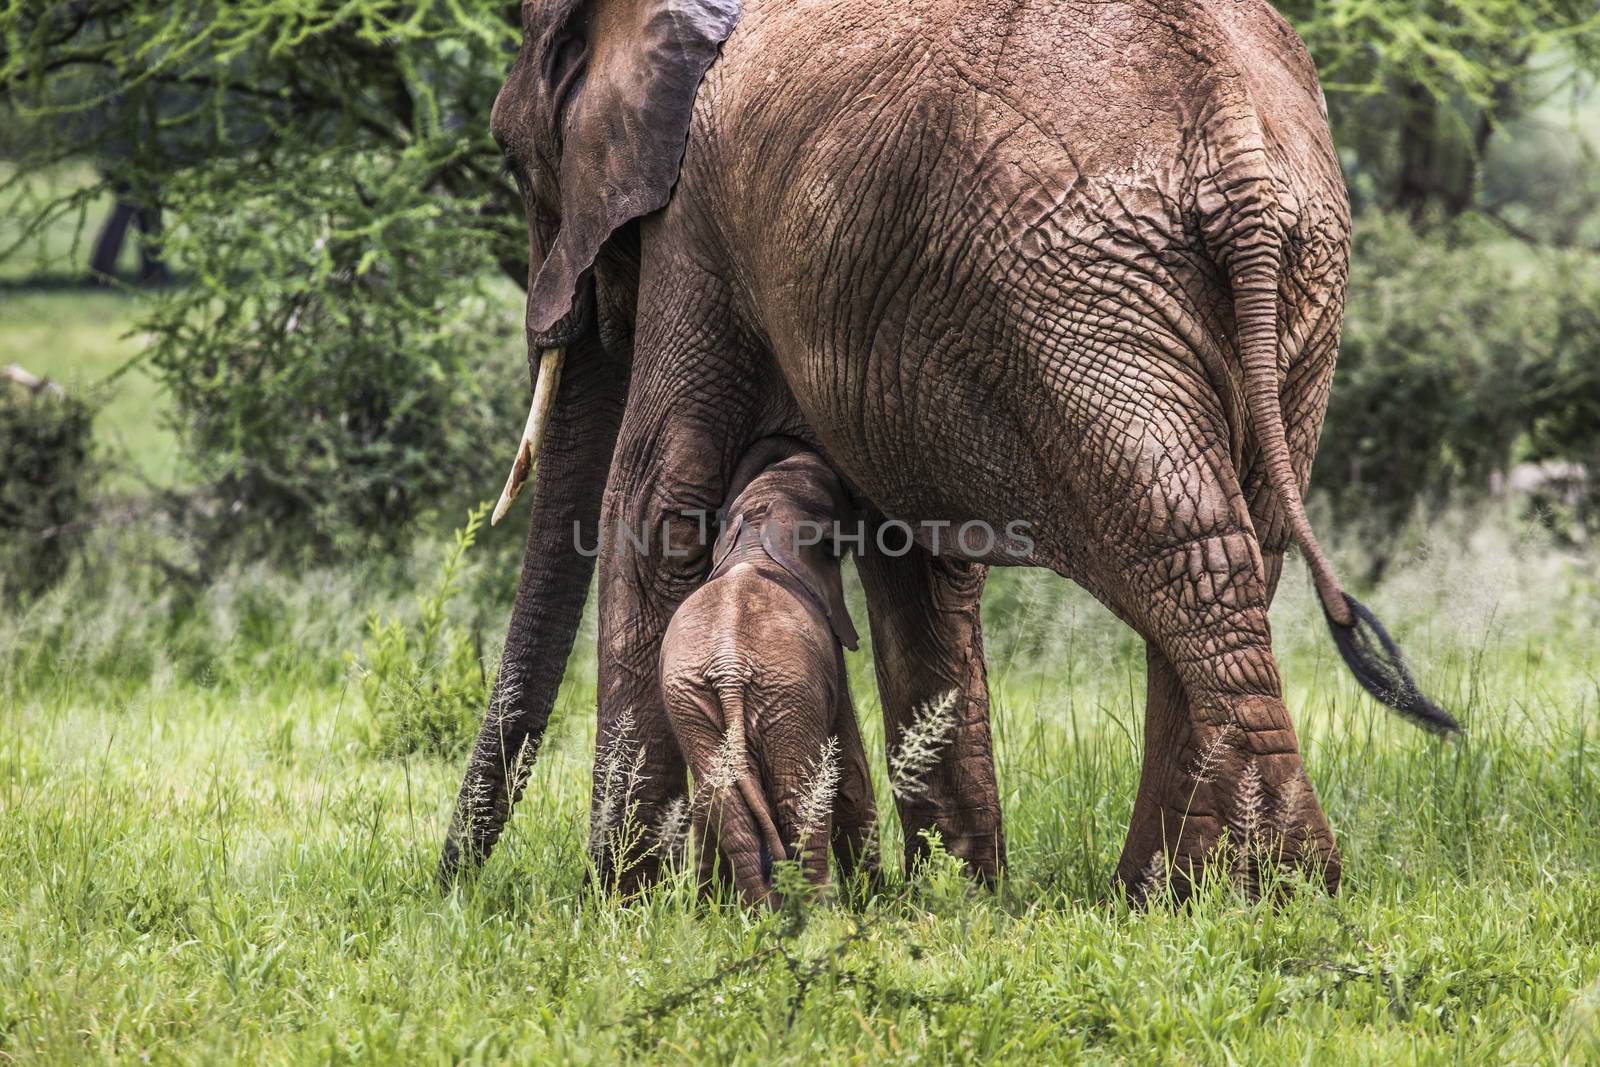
column 205, row 863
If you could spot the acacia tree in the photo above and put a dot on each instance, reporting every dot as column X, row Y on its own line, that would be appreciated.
column 1458, row 361
column 1418, row 88
column 336, row 207
column 162, row 88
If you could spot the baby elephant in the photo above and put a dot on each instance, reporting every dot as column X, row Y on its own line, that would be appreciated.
column 752, row 675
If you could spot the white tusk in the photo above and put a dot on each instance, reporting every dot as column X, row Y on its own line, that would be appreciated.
column 544, row 402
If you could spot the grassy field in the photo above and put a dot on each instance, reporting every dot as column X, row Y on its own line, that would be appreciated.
column 54, row 326
column 205, row 859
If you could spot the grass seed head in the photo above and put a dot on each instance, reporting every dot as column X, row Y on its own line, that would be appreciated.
column 922, row 745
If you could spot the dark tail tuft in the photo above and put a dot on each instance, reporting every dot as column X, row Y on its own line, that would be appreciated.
column 1374, row 659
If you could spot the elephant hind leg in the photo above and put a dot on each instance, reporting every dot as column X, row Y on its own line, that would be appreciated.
column 855, row 815
column 734, row 832
column 731, row 851
column 1221, row 759
column 1201, row 780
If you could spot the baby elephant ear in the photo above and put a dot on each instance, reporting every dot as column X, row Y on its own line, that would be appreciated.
column 838, row 614
column 819, row 574
column 625, row 130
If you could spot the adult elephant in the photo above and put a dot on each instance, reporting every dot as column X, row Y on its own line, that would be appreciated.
column 1069, row 264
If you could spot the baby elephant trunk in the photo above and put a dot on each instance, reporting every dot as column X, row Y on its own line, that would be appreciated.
column 731, row 698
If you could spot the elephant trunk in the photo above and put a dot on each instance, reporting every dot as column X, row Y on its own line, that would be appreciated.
column 579, row 436
column 1362, row 641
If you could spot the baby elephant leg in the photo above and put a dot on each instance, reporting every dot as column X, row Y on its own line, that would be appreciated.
column 803, row 769
column 855, row 816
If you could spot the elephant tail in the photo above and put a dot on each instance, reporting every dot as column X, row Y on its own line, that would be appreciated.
column 1364, row 644
column 731, row 698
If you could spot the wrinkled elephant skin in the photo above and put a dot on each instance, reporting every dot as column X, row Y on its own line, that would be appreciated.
column 753, row 681
column 1078, row 266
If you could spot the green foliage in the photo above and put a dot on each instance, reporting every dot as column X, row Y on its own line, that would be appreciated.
column 343, row 360
column 47, row 478
column 1464, row 49
column 425, row 686
column 1541, row 177
column 1416, row 90
column 339, row 352
column 1461, row 356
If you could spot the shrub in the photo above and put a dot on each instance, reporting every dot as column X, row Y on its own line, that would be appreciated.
column 345, row 357
column 47, row 477
column 1420, row 92
column 1565, row 432
column 334, row 204
column 425, row 686
column 1462, row 356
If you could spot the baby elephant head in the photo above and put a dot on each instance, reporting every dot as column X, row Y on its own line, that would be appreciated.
column 787, row 505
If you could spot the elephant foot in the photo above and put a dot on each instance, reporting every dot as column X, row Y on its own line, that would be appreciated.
column 973, row 837
column 1237, row 806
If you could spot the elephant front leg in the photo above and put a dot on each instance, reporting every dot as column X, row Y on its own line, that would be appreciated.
column 927, row 643
column 656, row 522
column 687, row 422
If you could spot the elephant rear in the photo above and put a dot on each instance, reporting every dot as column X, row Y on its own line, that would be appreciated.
column 1077, row 266
column 1083, row 266
column 751, row 679
column 1036, row 199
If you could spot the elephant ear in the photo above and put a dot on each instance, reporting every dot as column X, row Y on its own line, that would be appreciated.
column 818, row 574
column 624, row 133
column 832, row 589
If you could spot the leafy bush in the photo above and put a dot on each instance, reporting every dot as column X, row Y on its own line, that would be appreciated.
column 1542, row 183
column 335, row 204
column 47, row 477
column 345, row 356
column 425, row 687
column 1462, row 356
column 1417, row 90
